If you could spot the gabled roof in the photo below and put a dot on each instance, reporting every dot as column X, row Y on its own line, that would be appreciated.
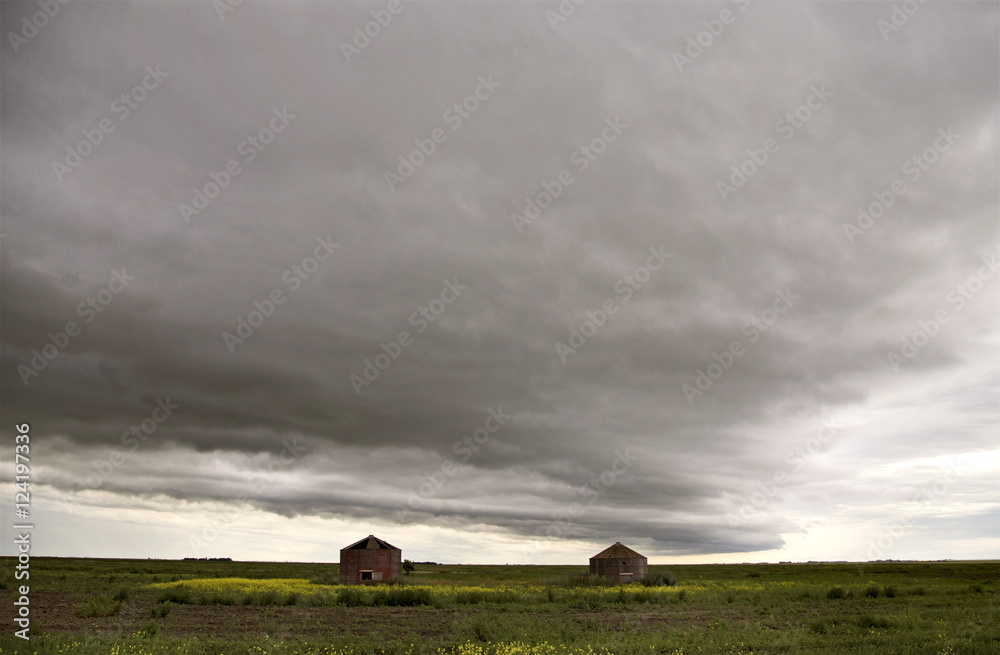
column 618, row 551
column 371, row 542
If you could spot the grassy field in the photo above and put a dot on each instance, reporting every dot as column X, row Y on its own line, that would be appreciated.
column 128, row 607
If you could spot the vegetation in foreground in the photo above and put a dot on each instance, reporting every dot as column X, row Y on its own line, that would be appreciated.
column 219, row 608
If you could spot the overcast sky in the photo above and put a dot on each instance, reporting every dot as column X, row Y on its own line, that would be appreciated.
column 716, row 280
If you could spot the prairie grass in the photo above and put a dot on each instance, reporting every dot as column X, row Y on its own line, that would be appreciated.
column 908, row 608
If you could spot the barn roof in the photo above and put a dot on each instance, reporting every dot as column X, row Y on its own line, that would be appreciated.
column 371, row 542
column 618, row 551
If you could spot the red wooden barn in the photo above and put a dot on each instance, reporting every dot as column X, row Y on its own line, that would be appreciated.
column 370, row 560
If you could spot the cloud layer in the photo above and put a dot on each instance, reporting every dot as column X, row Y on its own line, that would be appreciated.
column 704, row 278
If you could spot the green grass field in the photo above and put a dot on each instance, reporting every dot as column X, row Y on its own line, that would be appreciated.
column 130, row 607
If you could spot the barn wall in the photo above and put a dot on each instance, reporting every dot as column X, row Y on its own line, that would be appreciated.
column 383, row 560
column 614, row 567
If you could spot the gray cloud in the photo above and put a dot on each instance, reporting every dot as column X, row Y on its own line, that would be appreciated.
column 323, row 176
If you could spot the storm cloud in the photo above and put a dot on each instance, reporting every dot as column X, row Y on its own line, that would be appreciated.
column 717, row 280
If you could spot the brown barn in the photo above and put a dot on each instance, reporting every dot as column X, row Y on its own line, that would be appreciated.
column 620, row 563
column 370, row 560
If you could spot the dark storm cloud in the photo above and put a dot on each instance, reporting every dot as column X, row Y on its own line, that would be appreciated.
column 778, row 240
